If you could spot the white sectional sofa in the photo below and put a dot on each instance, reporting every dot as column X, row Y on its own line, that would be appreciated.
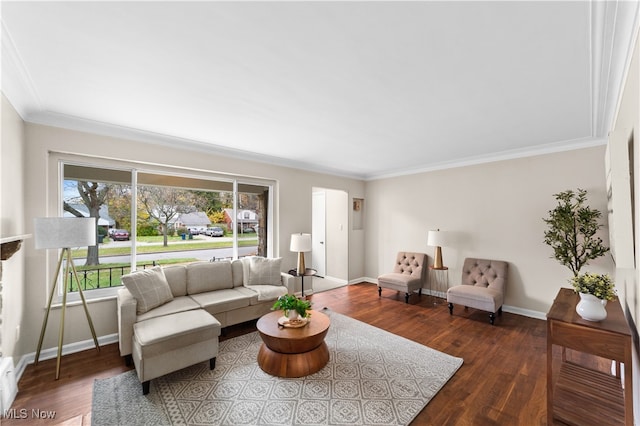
column 231, row 292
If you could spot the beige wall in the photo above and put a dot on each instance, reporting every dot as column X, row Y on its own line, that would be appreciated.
column 493, row 211
column 627, row 128
column 12, row 224
column 292, row 212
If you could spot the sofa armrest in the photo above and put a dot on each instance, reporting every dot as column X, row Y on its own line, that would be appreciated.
column 289, row 281
column 127, row 306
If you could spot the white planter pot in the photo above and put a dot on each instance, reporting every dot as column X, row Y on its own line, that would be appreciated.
column 591, row 308
column 292, row 315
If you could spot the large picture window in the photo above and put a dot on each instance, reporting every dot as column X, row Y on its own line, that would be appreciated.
column 147, row 218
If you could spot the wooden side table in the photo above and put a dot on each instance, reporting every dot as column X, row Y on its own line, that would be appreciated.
column 579, row 395
column 293, row 352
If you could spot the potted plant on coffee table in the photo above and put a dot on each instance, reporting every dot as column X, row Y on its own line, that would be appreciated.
column 292, row 306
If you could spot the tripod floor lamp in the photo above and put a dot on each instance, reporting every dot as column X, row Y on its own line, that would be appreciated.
column 64, row 233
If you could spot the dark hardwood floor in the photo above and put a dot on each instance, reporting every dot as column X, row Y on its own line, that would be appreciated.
column 502, row 380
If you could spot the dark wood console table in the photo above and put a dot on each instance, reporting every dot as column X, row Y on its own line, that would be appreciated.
column 579, row 395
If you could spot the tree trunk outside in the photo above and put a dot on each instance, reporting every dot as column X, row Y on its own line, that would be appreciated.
column 93, row 254
column 262, row 222
column 165, row 239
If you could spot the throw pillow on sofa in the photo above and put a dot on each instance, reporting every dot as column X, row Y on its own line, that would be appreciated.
column 149, row 287
column 261, row 271
column 262, row 275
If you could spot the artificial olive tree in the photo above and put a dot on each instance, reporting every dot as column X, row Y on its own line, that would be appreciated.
column 572, row 231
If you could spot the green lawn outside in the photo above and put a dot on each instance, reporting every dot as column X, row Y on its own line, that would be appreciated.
column 108, row 274
column 105, row 250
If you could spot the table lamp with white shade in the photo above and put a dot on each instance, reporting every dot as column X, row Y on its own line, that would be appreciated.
column 64, row 233
column 437, row 238
column 300, row 243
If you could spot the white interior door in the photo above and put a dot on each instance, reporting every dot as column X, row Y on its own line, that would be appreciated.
column 318, row 233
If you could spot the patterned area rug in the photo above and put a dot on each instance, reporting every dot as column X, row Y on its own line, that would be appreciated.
column 373, row 378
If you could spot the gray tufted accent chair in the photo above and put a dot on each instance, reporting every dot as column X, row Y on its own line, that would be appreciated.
column 409, row 274
column 483, row 283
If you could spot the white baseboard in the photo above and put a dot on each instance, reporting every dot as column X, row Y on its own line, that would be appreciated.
column 338, row 280
column 506, row 308
column 525, row 312
column 66, row 349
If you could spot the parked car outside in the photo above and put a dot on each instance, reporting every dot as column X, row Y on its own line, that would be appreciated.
column 119, row 235
column 197, row 230
column 214, row 231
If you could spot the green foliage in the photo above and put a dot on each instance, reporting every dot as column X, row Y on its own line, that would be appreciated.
column 147, row 230
column 217, row 217
column 600, row 286
column 102, row 231
column 210, row 202
column 572, row 231
column 181, row 231
column 289, row 302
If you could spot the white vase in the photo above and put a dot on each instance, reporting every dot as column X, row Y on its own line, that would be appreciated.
column 292, row 315
column 591, row 308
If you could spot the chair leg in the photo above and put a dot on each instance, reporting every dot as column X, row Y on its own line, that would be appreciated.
column 420, row 291
column 500, row 311
column 128, row 360
column 492, row 317
column 450, row 308
column 379, row 291
column 406, row 298
column 145, row 387
column 212, row 363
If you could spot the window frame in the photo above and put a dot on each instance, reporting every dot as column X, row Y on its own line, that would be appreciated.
column 55, row 206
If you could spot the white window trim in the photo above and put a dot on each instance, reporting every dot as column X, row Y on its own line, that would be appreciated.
column 57, row 160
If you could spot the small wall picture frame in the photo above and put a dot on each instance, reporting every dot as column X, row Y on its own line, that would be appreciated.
column 357, row 204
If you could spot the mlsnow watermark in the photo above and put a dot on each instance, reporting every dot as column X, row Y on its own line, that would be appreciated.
column 23, row 414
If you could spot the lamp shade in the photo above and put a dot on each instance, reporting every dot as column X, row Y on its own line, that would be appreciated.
column 300, row 242
column 64, row 232
column 436, row 238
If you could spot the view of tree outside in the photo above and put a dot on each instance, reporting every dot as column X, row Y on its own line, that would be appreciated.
column 161, row 236
column 165, row 204
column 93, row 196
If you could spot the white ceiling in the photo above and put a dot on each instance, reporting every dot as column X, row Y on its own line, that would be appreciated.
column 361, row 89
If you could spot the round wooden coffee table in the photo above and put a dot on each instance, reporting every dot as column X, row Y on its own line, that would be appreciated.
column 293, row 352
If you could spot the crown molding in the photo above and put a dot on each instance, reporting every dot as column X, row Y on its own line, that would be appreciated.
column 613, row 31
column 511, row 154
column 111, row 130
column 16, row 83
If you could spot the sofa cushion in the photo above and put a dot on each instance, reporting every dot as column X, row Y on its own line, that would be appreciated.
column 177, row 279
column 221, row 300
column 236, row 270
column 163, row 334
column 178, row 304
column 262, row 293
column 261, row 271
column 208, row 276
column 149, row 287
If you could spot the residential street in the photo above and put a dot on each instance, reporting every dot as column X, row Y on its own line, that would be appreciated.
column 205, row 254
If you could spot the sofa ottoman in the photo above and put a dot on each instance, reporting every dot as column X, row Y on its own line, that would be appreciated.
column 169, row 343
